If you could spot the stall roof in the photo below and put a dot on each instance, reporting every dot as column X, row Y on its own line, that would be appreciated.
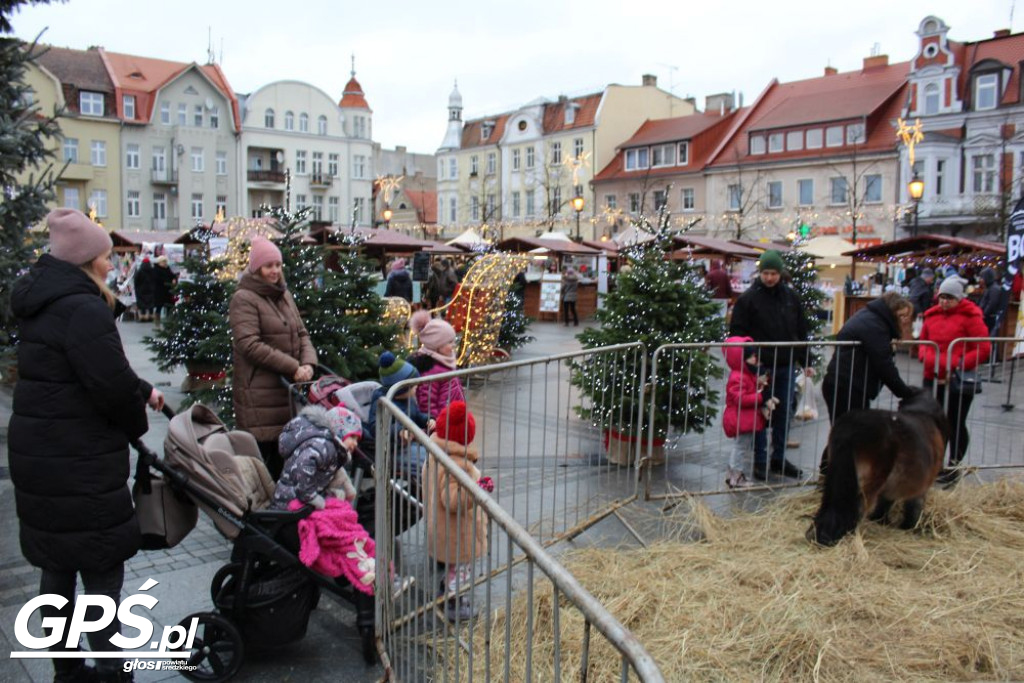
column 923, row 247
column 130, row 239
column 828, row 250
column 698, row 245
column 467, row 241
column 608, row 246
column 525, row 244
column 378, row 238
column 762, row 246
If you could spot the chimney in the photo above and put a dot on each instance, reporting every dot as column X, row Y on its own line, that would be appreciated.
column 562, row 99
column 1001, row 33
column 692, row 101
column 875, row 61
column 721, row 103
column 831, row 71
column 650, row 79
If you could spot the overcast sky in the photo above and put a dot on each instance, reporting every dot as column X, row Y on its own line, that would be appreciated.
column 408, row 54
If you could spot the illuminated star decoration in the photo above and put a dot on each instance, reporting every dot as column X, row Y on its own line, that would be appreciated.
column 577, row 163
column 388, row 185
column 910, row 136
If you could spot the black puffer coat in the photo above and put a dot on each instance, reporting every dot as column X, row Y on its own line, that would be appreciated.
column 771, row 314
column 76, row 405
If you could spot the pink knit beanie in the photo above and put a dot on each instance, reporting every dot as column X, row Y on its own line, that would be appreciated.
column 436, row 334
column 74, row 238
column 262, row 252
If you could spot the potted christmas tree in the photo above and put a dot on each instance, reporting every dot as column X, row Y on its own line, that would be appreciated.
column 656, row 301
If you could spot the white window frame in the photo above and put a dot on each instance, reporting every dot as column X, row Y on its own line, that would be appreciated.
column 196, row 206
column 516, row 204
column 734, row 196
column 683, row 154
column 165, row 113
column 794, row 141
column 132, row 156
column 128, row 105
column 556, row 153
column 70, row 150
column 220, row 205
column 634, row 203
column 611, row 201
column 303, row 122
column 986, row 85
column 688, row 199
column 222, row 163
column 776, row 143
column 757, row 145
column 873, row 180
column 182, row 114
column 268, row 118
column 98, row 152
column 289, row 120
column 814, row 138
column 531, row 157
column 318, row 207
column 663, row 155
column 577, row 148
column 474, row 165
column 531, row 203
column 198, row 157
column 133, row 204
column 474, row 208
column 214, row 117
column 72, row 199
column 834, row 136
column 321, row 125
column 197, row 116
column 837, row 183
column 90, row 103
column 159, row 206
column 300, row 163
column 637, row 159
column 855, row 134
column 359, row 166
column 333, row 209
column 332, row 164
column 931, row 98
column 800, row 185
column 983, row 175
column 453, row 168
column 98, row 201
column 492, row 163
column 515, row 160
column 940, row 176
column 773, row 190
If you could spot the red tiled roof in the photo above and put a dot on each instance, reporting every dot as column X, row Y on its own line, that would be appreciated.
column 145, row 76
column 82, row 69
column 586, row 113
column 669, row 130
column 471, row 136
column 1007, row 50
column 425, row 203
column 352, row 96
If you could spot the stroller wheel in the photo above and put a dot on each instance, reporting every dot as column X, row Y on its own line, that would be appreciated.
column 220, row 579
column 217, row 649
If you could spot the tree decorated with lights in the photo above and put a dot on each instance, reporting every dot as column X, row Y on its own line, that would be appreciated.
column 803, row 279
column 655, row 301
column 515, row 324
column 26, row 175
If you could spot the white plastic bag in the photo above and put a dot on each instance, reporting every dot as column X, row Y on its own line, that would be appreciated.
column 806, row 406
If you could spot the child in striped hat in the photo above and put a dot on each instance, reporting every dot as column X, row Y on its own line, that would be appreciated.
column 410, row 457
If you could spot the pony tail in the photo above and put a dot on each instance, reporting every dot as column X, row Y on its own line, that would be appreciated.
column 840, row 510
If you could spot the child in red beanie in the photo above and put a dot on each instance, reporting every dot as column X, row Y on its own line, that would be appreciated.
column 457, row 529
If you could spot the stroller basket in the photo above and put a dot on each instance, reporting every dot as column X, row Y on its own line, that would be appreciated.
column 276, row 606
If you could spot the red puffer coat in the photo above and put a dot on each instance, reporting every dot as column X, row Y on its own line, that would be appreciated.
column 942, row 326
column 742, row 399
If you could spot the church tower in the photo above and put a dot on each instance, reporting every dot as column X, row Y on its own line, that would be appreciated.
column 453, row 136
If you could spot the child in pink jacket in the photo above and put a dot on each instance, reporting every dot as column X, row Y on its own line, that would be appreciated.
column 435, row 356
column 746, row 410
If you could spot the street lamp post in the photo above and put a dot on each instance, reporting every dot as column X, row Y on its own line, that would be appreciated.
column 916, row 189
column 387, row 216
column 577, row 205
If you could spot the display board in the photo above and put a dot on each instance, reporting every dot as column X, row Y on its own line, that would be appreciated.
column 550, row 293
column 420, row 266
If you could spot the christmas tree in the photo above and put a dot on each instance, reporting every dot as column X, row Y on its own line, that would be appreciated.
column 803, row 278
column 515, row 323
column 26, row 173
column 656, row 301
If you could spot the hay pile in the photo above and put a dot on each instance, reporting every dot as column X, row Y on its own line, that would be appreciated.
column 756, row 601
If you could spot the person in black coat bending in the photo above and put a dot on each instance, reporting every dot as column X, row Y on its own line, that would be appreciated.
column 770, row 311
column 76, row 405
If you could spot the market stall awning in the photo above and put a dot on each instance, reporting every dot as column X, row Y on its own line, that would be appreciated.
column 828, row 250
column 376, row 239
column 694, row 245
column 467, row 241
column 609, row 247
column 930, row 248
column 557, row 246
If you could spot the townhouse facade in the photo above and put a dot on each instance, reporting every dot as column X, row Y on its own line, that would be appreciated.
column 516, row 173
column 302, row 149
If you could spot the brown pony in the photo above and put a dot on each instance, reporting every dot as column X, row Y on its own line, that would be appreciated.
column 878, row 457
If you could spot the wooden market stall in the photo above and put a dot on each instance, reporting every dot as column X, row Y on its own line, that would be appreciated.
column 554, row 251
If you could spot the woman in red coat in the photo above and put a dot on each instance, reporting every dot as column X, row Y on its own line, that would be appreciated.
column 953, row 317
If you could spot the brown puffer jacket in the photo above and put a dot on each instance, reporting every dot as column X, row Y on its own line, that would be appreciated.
column 458, row 528
column 269, row 340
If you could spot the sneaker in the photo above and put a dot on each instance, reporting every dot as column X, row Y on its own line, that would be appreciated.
column 786, row 468
column 735, row 479
column 460, row 609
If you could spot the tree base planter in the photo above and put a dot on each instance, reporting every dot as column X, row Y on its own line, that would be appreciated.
column 622, row 448
column 202, row 376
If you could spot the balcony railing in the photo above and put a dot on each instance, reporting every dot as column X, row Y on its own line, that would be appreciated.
column 320, row 180
column 266, row 176
column 166, row 224
column 980, row 205
column 164, row 177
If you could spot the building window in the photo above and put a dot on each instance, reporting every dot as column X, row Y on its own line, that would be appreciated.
column 873, row 188
column 321, row 125
column 931, row 99
column 515, row 160
column 556, row 153
column 683, row 150
column 795, row 140
column 71, row 150
column 453, row 168
column 98, row 201
column 735, row 196
column 318, row 165
column 689, row 201
column 182, row 114
column 221, row 206
column 159, row 206
column 318, row 207
column 834, row 136
column 359, row 208
column 359, row 126
column 215, row 117
column 197, row 206
column 663, row 155
column 133, row 209
column 198, row 160
column 660, row 200
column 197, row 116
column 159, row 160
column 570, row 113
column 440, row 170
column 775, row 194
column 984, row 171
column 516, row 207
column 289, row 121
column 577, row 148
column 636, row 159
column 303, row 122
column 359, row 167
column 128, row 104
column 634, row 202
column 268, row 118
column 940, row 175
column 300, row 202
column 453, row 210
column 611, row 202
column 165, row 113
column 474, row 165
column 555, row 205
column 986, row 92
column 222, row 163
column 131, row 156
column 757, row 144
column 531, row 203
column 98, row 153
column 491, row 163
column 332, row 164
column 855, row 134
column 530, row 157
column 333, row 209
column 300, row 163
column 837, row 191
column 813, row 138
column 775, row 142
column 491, row 207
column 71, row 200
column 474, row 208
column 806, row 191
column 90, row 103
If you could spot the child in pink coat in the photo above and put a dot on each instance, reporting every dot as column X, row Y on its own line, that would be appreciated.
column 435, row 356
column 746, row 410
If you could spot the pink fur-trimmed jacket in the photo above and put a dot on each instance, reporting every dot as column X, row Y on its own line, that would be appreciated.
column 432, row 397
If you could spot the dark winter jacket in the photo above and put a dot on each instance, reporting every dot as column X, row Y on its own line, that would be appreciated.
column 942, row 327
column 269, row 342
column 771, row 314
column 859, row 372
column 992, row 302
column 163, row 286
column 570, row 286
column 921, row 295
column 399, row 284
column 406, row 405
column 76, row 405
column 145, row 286
column 311, row 457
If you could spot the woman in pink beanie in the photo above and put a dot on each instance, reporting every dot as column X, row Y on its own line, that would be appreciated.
column 435, row 356
column 77, row 404
column 269, row 342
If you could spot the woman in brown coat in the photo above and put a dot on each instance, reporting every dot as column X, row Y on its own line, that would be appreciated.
column 269, row 341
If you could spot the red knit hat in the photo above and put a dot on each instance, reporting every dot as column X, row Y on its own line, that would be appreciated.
column 456, row 423
column 262, row 252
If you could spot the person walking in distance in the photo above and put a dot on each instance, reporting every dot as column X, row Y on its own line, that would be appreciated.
column 570, row 292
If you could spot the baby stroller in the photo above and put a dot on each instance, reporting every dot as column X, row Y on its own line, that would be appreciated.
column 264, row 595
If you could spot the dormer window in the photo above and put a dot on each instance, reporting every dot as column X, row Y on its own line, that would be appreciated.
column 855, row 134
column 570, row 114
column 636, row 159
column 986, row 90
column 757, row 144
column 663, row 155
column 683, row 158
column 486, row 128
column 90, row 103
column 775, row 142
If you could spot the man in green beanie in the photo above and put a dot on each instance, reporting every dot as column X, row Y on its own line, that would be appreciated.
column 770, row 311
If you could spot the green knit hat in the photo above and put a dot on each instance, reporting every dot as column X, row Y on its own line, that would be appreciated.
column 771, row 260
column 393, row 370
